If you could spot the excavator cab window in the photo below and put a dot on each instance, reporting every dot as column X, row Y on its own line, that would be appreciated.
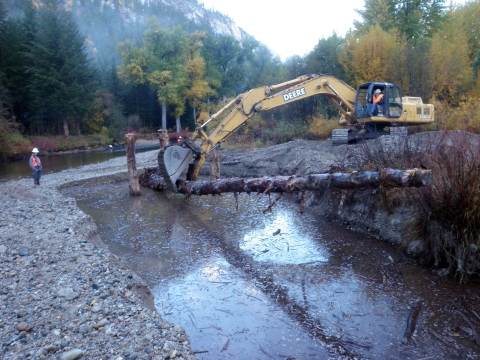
column 362, row 102
column 389, row 107
column 394, row 98
column 364, row 99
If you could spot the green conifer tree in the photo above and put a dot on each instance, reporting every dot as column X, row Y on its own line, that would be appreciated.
column 62, row 79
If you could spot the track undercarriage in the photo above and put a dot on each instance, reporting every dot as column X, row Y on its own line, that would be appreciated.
column 366, row 132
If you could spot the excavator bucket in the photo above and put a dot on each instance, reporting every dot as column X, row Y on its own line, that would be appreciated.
column 172, row 162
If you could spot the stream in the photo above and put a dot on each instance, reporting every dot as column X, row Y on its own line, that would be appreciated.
column 53, row 163
column 282, row 285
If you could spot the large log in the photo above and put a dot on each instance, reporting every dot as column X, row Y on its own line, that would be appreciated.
column 387, row 178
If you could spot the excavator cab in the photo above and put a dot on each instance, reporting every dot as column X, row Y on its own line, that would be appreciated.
column 390, row 106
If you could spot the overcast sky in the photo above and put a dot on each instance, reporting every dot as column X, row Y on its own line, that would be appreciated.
column 290, row 27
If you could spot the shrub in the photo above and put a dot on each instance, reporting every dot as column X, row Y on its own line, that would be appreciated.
column 243, row 141
column 447, row 214
column 18, row 145
column 62, row 143
column 445, row 224
column 44, row 144
column 465, row 117
column 322, row 127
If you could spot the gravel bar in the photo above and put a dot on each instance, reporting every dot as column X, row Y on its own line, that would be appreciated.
column 63, row 295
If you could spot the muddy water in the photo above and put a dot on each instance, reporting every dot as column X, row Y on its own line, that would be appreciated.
column 282, row 285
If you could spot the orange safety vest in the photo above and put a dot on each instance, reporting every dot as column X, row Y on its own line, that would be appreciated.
column 377, row 99
column 34, row 162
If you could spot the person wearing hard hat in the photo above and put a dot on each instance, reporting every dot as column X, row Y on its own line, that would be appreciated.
column 377, row 100
column 36, row 166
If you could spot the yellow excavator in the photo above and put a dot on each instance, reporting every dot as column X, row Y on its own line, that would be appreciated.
column 359, row 119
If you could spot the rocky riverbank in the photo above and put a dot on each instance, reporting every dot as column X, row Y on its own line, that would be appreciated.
column 63, row 294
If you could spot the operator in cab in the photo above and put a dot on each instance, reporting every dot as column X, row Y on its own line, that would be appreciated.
column 377, row 100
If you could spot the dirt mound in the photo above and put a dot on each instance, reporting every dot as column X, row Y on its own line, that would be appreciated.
column 295, row 157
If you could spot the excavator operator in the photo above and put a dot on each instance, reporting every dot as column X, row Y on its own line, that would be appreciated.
column 377, row 100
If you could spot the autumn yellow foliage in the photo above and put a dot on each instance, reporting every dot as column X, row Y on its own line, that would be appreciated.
column 322, row 127
column 365, row 58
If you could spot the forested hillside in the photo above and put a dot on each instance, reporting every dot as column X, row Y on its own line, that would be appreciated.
column 102, row 67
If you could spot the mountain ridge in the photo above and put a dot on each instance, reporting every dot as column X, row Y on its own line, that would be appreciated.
column 105, row 23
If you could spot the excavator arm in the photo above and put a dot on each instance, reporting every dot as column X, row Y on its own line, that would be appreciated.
column 192, row 152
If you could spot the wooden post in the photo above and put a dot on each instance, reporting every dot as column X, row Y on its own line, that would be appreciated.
column 163, row 138
column 214, row 165
column 134, row 184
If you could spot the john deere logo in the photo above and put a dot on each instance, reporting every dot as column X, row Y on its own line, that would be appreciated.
column 294, row 94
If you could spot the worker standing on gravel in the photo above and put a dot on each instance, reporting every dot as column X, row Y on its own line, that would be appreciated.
column 36, row 166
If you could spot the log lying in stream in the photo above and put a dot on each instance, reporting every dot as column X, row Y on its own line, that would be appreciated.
column 386, row 178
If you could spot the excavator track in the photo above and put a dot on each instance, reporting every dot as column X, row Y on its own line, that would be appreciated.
column 398, row 130
column 163, row 170
column 340, row 136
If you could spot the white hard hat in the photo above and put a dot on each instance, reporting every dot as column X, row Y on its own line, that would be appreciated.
column 35, row 150
column 378, row 91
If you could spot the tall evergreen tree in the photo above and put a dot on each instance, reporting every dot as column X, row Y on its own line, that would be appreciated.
column 418, row 65
column 13, row 64
column 230, row 57
column 62, row 78
column 413, row 18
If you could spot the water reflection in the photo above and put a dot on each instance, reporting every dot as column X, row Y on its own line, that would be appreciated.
column 231, row 318
column 283, row 241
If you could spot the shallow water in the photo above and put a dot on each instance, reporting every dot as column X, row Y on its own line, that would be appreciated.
column 243, row 290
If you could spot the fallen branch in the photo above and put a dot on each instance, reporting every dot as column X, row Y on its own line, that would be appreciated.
column 411, row 323
column 474, row 313
column 272, row 204
column 225, row 347
column 387, row 178
column 439, row 337
column 270, row 356
column 474, row 331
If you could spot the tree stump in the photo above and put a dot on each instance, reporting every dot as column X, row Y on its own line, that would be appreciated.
column 133, row 180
